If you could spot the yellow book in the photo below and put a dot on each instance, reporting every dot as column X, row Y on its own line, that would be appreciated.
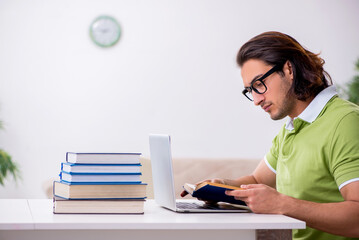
column 99, row 191
column 98, row 206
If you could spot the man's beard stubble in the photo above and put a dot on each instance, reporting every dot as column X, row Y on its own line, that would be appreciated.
column 286, row 106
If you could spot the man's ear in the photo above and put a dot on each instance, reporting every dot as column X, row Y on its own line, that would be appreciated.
column 288, row 70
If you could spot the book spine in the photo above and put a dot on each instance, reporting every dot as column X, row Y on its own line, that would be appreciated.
column 101, row 183
column 53, row 188
column 53, row 205
column 61, row 198
column 71, row 157
column 103, row 164
column 96, row 173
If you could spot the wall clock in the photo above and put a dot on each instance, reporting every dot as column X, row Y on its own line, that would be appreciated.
column 105, row 31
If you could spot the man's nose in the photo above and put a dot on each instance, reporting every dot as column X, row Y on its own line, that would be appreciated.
column 257, row 98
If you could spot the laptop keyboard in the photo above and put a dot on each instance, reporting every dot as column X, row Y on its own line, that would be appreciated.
column 185, row 205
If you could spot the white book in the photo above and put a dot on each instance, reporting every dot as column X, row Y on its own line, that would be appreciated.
column 103, row 158
column 100, row 168
column 100, row 177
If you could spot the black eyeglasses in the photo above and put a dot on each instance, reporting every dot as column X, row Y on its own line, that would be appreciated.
column 258, row 85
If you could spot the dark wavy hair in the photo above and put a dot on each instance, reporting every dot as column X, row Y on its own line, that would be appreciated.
column 275, row 48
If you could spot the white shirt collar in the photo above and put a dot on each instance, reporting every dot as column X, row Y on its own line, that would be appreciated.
column 312, row 111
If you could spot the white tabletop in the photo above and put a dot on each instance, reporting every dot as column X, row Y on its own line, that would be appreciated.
column 15, row 214
column 37, row 214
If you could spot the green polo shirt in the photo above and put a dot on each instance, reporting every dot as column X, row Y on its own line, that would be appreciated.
column 314, row 159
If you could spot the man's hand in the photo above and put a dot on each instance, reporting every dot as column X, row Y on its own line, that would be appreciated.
column 260, row 198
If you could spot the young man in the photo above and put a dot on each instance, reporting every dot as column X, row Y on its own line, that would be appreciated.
column 312, row 170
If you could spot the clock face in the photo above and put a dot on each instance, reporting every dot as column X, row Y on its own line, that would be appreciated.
column 105, row 31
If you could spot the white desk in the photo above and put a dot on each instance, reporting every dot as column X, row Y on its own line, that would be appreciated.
column 35, row 219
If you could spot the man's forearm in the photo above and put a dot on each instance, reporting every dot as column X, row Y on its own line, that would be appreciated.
column 340, row 218
column 239, row 181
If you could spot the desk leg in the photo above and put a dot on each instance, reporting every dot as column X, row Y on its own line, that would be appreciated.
column 276, row 234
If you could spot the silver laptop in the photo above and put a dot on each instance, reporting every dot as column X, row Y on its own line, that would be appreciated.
column 163, row 182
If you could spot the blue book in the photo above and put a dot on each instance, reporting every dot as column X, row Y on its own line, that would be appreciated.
column 103, row 158
column 100, row 177
column 102, row 183
column 214, row 192
column 100, row 168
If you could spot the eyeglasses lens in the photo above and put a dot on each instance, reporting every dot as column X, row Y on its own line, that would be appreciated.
column 259, row 87
column 249, row 95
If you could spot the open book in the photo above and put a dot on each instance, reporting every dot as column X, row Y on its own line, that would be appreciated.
column 215, row 192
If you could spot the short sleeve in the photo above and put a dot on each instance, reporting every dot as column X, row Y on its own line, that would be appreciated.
column 272, row 156
column 344, row 155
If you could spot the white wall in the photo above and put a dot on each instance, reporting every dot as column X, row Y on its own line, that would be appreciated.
column 173, row 71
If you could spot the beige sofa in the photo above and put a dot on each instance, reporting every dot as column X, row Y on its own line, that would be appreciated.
column 190, row 170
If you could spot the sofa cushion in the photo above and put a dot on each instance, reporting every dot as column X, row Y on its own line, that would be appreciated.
column 193, row 170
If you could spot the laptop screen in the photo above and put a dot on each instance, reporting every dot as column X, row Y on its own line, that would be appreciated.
column 162, row 171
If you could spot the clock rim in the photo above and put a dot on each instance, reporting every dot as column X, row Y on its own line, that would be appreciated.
column 118, row 32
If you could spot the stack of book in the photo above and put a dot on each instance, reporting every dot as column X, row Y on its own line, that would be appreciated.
column 100, row 183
